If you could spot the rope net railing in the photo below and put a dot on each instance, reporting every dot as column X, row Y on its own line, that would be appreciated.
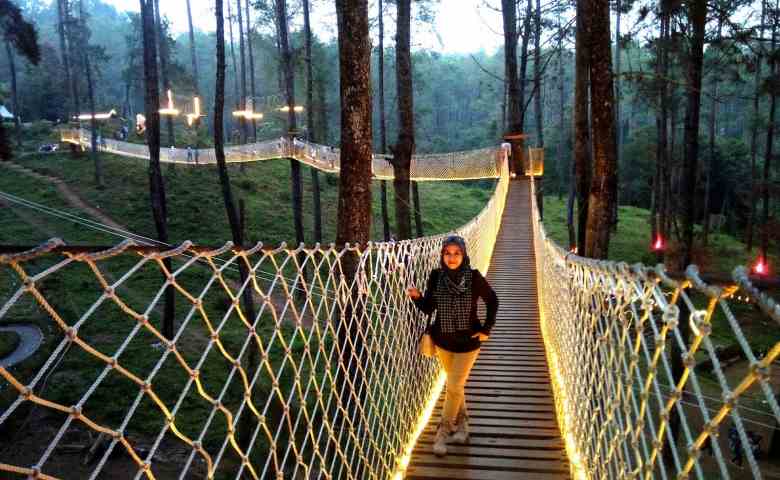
column 465, row 165
column 643, row 390
column 321, row 380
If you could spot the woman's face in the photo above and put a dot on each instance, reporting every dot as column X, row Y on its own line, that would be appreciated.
column 453, row 256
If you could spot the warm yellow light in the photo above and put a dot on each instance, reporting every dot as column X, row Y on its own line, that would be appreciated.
column 171, row 110
column 195, row 111
column 249, row 112
column 286, row 108
column 422, row 421
column 98, row 116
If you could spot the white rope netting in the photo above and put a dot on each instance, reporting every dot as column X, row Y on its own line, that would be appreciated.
column 323, row 381
column 613, row 334
column 466, row 165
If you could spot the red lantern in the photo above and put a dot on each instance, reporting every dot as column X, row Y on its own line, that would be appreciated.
column 760, row 267
column 658, row 244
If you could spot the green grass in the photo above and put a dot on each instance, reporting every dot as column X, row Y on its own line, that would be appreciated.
column 195, row 206
column 631, row 242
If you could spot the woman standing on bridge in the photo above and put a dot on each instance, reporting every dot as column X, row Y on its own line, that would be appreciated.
column 452, row 292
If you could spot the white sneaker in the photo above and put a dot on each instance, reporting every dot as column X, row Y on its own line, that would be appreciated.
column 461, row 433
column 440, row 441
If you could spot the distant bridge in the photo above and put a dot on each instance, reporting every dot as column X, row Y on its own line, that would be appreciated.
column 323, row 380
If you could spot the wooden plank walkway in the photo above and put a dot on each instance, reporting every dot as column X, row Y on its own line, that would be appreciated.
column 514, row 433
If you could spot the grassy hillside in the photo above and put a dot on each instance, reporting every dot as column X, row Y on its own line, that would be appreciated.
column 196, row 210
column 631, row 242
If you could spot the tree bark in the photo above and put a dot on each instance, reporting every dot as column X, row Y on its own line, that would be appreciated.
column 602, row 187
column 711, row 161
column 658, row 220
column 237, row 89
column 193, row 55
column 72, row 39
column 156, row 184
column 526, row 34
column 84, row 49
column 250, row 52
column 538, row 112
column 354, row 204
column 618, row 128
column 405, row 146
column 382, row 124
column 234, row 217
column 768, row 152
column 164, row 60
column 697, row 16
column 310, row 128
column 61, row 20
column 511, row 116
column 242, row 54
column 289, row 88
column 754, row 136
column 582, row 154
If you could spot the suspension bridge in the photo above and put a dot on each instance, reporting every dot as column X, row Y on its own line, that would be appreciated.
column 591, row 372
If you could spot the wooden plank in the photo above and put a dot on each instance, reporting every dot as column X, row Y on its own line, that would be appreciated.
column 491, row 463
column 506, row 432
column 427, row 473
column 479, row 421
column 482, row 451
column 514, row 443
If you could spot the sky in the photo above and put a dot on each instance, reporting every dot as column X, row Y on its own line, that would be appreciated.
column 461, row 26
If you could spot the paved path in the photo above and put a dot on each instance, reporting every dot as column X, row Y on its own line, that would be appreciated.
column 30, row 339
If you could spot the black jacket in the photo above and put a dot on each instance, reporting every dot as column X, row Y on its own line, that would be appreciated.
column 461, row 341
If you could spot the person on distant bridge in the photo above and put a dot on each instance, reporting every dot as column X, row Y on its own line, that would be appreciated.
column 452, row 292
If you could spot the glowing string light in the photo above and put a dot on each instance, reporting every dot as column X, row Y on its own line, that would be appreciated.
column 171, row 110
column 98, row 116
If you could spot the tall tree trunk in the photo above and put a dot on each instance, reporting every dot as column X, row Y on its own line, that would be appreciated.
column 236, row 88
column 511, row 117
column 72, row 39
column 658, row 220
column 768, row 152
column 526, row 34
column 582, row 154
column 64, row 53
column 14, row 97
column 618, row 129
column 242, row 54
column 711, row 161
column 164, row 60
column 354, row 204
column 754, row 135
column 315, row 178
column 236, row 227
column 602, row 186
column 193, row 55
column 289, row 88
column 405, row 146
column 84, row 48
column 382, row 125
column 538, row 112
column 250, row 52
column 563, row 143
column 697, row 13
column 156, row 184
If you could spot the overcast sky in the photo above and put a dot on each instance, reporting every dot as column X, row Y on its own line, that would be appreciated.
column 461, row 25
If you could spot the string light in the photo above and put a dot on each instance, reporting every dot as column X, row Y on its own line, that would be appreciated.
column 193, row 117
column 98, row 116
column 171, row 110
column 296, row 109
column 249, row 112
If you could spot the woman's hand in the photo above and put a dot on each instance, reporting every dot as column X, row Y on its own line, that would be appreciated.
column 480, row 336
column 413, row 293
